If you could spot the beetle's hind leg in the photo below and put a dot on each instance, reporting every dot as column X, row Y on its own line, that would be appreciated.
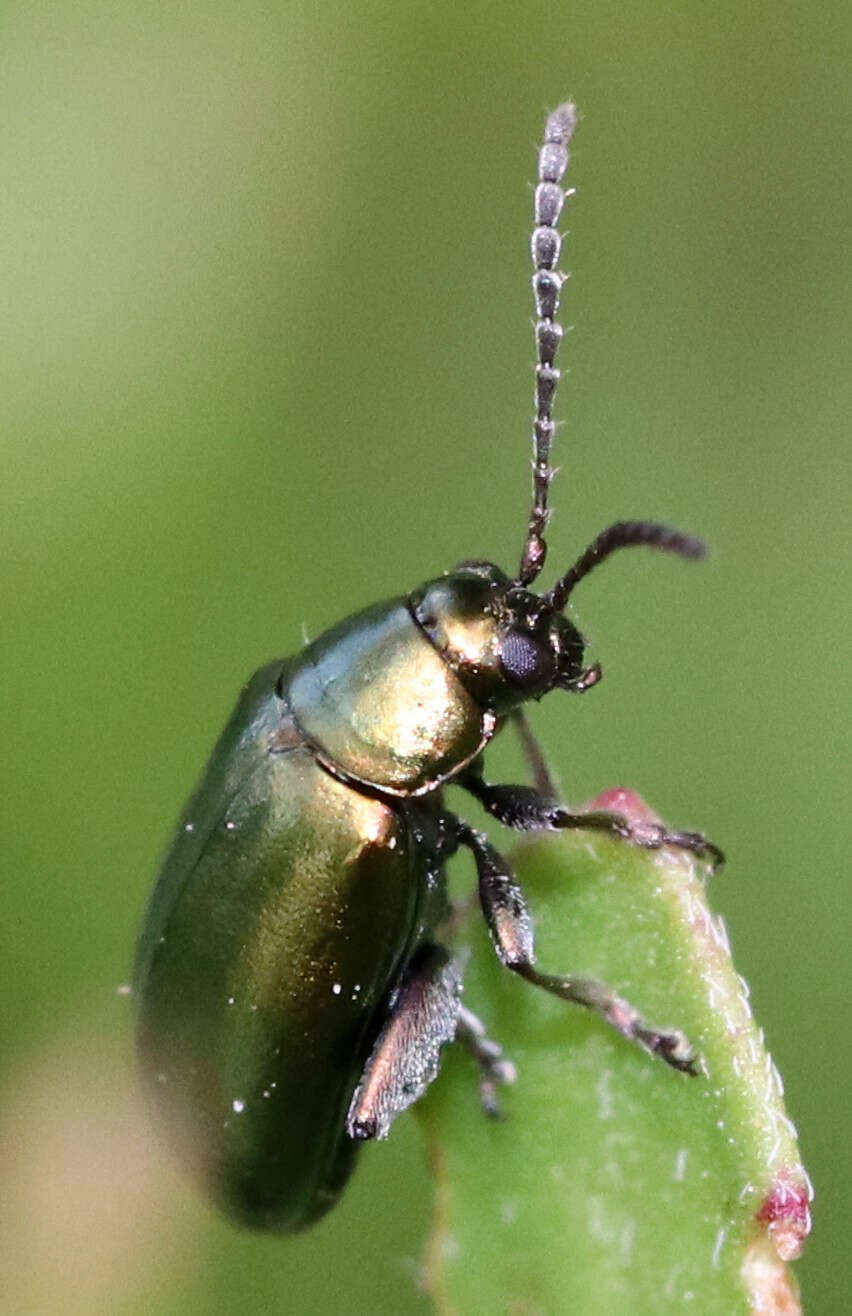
column 510, row 924
column 528, row 808
column 424, row 1016
column 494, row 1068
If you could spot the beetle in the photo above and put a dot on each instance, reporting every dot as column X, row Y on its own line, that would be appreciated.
column 293, row 993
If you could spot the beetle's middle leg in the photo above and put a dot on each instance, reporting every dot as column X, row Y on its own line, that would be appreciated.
column 542, row 773
column 510, row 924
column 527, row 808
column 423, row 1017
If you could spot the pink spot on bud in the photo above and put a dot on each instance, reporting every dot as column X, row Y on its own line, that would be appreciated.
column 618, row 799
column 787, row 1213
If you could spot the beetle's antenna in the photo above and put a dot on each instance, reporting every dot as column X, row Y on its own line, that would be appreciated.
column 547, row 284
column 624, row 534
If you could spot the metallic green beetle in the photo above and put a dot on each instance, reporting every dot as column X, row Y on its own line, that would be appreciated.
column 293, row 997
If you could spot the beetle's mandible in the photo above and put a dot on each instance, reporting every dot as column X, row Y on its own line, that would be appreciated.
column 293, row 995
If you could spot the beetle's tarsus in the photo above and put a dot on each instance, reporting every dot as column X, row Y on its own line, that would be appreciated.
column 699, row 845
column 670, row 1045
column 362, row 1130
column 495, row 1069
column 673, row 1047
column 647, row 835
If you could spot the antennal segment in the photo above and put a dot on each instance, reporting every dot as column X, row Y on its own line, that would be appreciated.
column 624, row 534
column 547, row 284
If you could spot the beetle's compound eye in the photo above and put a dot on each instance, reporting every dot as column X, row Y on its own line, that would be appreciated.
column 526, row 661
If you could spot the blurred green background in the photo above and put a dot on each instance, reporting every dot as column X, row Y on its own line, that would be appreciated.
column 264, row 358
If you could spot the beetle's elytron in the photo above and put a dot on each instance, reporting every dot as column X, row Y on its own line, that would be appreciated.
column 292, row 991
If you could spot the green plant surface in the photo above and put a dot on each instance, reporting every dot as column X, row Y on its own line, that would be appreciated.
column 266, row 360
column 616, row 1183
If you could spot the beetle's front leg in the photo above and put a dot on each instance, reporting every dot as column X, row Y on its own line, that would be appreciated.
column 510, row 924
column 526, row 808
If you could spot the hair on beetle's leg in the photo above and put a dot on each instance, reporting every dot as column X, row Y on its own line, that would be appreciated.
column 423, row 1017
column 509, row 922
column 545, row 782
column 494, row 1067
column 525, row 808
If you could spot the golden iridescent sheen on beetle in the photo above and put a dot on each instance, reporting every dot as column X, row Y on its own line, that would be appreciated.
column 293, row 993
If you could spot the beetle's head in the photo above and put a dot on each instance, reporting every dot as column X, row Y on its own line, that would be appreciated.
column 500, row 639
column 508, row 644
